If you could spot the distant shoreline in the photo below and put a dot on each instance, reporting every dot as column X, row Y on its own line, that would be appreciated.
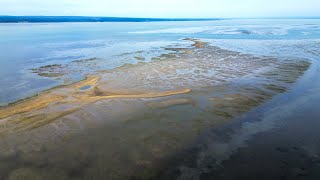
column 57, row 19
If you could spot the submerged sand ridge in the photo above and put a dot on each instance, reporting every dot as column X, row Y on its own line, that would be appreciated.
column 125, row 122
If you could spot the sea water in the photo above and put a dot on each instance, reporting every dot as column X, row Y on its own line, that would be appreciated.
column 25, row 46
column 249, row 64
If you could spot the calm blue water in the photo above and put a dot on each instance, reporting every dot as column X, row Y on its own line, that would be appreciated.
column 26, row 46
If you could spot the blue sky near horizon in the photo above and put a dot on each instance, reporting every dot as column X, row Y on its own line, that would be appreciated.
column 163, row 8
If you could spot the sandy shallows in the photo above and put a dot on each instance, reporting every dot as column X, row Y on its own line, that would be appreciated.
column 126, row 122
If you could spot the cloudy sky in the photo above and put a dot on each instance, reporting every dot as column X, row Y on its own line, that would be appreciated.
column 163, row 8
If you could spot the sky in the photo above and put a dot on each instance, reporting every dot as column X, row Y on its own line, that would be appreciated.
column 163, row 8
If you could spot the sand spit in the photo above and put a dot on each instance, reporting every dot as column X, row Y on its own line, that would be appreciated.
column 127, row 122
column 100, row 95
column 44, row 99
column 21, row 114
column 198, row 66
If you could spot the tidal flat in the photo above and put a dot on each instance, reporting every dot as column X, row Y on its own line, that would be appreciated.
column 128, row 122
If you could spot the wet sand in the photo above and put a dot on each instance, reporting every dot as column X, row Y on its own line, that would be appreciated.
column 128, row 122
column 277, row 140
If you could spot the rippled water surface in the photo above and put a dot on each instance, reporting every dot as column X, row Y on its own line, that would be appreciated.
column 155, row 92
column 28, row 46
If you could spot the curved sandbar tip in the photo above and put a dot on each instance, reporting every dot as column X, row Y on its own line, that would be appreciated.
column 197, row 43
column 90, row 80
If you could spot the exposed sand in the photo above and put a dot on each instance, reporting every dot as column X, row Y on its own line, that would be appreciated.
column 71, row 94
column 123, row 122
column 66, row 94
column 35, row 103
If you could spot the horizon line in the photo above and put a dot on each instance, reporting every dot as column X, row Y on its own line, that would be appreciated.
column 235, row 17
column 74, row 19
